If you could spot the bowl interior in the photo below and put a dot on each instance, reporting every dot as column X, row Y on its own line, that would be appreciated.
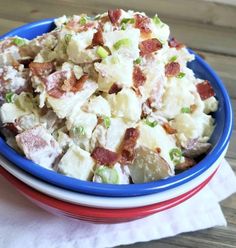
column 219, row 139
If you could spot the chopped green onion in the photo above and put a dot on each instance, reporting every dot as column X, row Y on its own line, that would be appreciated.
column 127, row 20
column 123, row 26
column 175, row 155
column 157, row 21
column 123, row 42
column 9, row 97
column 185, row 110
column 181, row 75
column 115, row 59
column 97, row 17
column 107, row 175
column 102, row 52
column 83, row 20
column 68, row 38
column 18, row 41
column 106, row 121
column 151, row 123
column 80, row 130
column 172, row 59
column 138, row 61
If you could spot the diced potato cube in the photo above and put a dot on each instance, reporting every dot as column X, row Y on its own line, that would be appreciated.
column 125, row 104
column 77, row 163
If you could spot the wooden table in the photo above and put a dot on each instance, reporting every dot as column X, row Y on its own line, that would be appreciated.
column 207, row 27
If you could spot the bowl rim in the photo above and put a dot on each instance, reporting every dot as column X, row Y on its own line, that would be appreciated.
column 94, row 188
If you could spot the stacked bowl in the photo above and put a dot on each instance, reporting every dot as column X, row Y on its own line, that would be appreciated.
column 104, row 203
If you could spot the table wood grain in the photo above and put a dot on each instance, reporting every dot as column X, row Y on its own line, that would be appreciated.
column 207, row 27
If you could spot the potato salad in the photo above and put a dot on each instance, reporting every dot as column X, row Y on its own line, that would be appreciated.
column 107, row 99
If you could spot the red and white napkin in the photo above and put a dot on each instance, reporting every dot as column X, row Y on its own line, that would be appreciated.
column 23, row 224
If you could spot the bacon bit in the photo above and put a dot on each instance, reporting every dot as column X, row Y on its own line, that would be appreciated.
column 142, row 23
column 104, row 19
column 11, row 127
column 128, row 145
column 114, row 15
column 158, row 150
column 188, row 163
column 149, row 46
column 172, row 69
column 205, row 90
column 80, row 83
column 104, row 156
column 193, row 107
column 41, row 69
column 174, row 43
column 98, row 38
column 168, row 128
column 56, row 93
column 138, row 77
column 75, row 26
column 114, row 89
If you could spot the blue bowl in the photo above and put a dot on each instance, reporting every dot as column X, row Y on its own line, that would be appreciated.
column 220, row 138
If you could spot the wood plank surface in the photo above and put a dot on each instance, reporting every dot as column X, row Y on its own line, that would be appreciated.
column 207, row 27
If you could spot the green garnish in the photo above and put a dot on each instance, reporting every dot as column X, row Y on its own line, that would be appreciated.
column 123, row 26
column 156, row 20
column 97, row 17
column 181, row 75
column 83, row 20
column 127, row 20
column 172, row 59
column 123, row 42
column 175, row 155
column 18, row 41
column 68, row 38
column 108, row 175
column 102, row 52
column 106, row 121
column 138, row 61
column 80, row 130
column 151, row 123
column 9, row 97
column 185, row 110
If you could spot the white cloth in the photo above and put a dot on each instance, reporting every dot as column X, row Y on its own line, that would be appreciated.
column 24, row 225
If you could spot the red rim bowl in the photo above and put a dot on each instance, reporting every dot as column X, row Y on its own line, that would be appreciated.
column 97, row 215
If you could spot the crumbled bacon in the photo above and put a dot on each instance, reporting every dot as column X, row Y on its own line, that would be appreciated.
column 188, row 163
column 41, row 69
column 11, row 127
column 172, row 69
column 98, row 38
column 149, row 46
column 174, row 43
column 205, row 90
column 158, row 150
column 114, row 15
column 138, row 77
column 128, row 145
column 77, row 27
column 80, row 83
column 114, row 89
column 168, row 128
column 54, row 82
column 58, row 83
column 104, row 156
column 142, row 23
